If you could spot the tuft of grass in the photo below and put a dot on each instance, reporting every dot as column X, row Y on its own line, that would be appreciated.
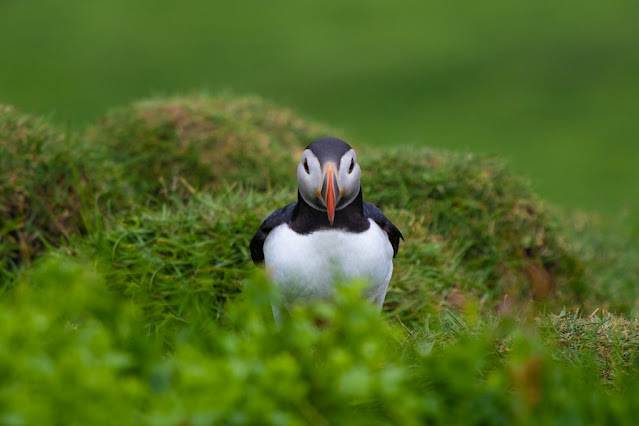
column 205, row 141
column 185, row 259
column 38, row 199
column 611, row 341
column 46, row 187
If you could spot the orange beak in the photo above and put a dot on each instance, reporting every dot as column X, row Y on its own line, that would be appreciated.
column 329, row 191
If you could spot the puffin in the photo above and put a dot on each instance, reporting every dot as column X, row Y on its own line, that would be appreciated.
column 329, row 235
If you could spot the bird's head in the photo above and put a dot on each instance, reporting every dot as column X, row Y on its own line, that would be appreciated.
column 328, row 175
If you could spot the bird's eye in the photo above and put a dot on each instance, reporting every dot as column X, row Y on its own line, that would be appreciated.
column 350, row 169
column 308, row 172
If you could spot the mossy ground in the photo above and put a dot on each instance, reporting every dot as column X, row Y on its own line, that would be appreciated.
column 142, row 296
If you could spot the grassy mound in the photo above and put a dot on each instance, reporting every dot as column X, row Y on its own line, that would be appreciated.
column 204, row 141
column 44, row 181
column 475, row 233
column 473, row 229
column 156, row 309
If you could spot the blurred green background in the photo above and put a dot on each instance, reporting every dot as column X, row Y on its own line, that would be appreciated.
column 553, row 86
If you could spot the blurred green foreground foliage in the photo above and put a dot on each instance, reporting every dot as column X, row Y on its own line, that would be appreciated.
column 75, row 353
column 127, row 294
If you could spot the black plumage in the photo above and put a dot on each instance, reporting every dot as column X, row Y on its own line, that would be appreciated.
column 305, row 219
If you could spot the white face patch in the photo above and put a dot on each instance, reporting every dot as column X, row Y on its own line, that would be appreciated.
column 309, row 177
column 348, row 179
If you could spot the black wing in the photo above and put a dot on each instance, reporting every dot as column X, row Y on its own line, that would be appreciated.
column 276, row 218
column 372, row 212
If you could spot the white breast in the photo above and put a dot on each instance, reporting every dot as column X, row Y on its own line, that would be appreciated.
column 306, row 266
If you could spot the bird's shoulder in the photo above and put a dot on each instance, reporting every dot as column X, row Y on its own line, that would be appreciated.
column 278, row 217
column 394, row 234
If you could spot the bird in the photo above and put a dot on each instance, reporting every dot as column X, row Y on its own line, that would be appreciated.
column 329, row 235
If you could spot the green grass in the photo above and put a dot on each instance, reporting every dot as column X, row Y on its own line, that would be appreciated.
column 148, row 310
